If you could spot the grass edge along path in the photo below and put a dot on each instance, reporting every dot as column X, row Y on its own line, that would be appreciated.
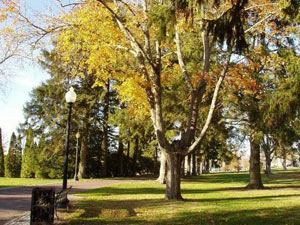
column 209, row 199
column 6, row 182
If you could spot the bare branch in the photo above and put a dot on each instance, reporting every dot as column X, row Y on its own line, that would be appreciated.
column 262, row 20
column 128, row 7
column 158, row 54
column 180, row 60
column 212, row 105
column 127, row 50
column 167, row 54
column 6, row 57
column 147, row 45
column 262, row 5
column 31, row 23
column 68, row 5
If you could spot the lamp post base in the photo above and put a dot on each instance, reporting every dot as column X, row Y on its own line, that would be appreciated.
column 64, row 204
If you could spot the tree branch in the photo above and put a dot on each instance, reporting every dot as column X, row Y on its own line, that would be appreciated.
column 180, row 60
column 128, row 7
column 68, row 5
column 128, row 33
column 212, row 105
column 257, row 6
column 259, row 22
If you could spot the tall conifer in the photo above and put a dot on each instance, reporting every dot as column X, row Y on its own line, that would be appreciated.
column 13, row 158
column 28, row 160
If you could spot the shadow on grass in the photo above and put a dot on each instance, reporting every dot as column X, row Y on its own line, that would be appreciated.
column 210, row 209
column 106, row 191
column 269, row 216
column 279, row 177
column 117, row 191
column 126, row 212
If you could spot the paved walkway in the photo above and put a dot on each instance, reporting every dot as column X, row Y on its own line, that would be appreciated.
column 16, row 202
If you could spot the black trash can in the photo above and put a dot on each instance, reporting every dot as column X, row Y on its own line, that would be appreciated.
column 42, row 206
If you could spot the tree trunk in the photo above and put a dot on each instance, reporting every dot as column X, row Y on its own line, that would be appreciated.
column 284, row 164
column 173, row 191
column 121, row 158
column 156, row 164
column 83, row 150
column 183, row 168
column 163, row 169
column 194, row 165
column 188, row 168
column 207, row 165
column 127, row 159
column 255, row 176
column 104, row 147
column 135, row 155
column 104, row 144
column 198, row 165
column 201, row 166
column 283, row 158
column 267, row 152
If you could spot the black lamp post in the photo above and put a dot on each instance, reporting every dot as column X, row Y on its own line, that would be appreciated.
column 70, row 99
column 76, row 161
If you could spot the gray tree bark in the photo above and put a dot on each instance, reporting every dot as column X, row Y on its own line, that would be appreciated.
column 183, row 168
column 163, row 169
column 84, row 149
column 135, row 155
column 173, row 190
column 188, row 167
column 283, row 150
column 194, row 173
column 104, row 144
column 268, row 152
column 121, row 158
column 255, row 176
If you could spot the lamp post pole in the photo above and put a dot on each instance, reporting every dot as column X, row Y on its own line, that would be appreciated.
column 70, row 99
column 65, row 179
column 76, row 161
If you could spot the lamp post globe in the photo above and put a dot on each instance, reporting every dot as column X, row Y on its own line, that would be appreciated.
column 70, row 99
column 71, row 96
column 77, row 135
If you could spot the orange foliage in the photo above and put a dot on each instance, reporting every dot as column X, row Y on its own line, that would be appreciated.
column 241, row 78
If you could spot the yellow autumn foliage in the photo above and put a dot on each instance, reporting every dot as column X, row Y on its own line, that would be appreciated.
column 93, row 42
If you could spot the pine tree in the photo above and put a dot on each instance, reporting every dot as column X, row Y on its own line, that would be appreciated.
column 13, row 158
column 18, row 165
column 2, row 170
column 29, row 158
column 48, row 120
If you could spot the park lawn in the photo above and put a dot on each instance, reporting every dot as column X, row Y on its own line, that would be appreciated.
column 218, row 198
column 6, row 182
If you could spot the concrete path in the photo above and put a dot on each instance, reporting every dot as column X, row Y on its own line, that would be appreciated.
column 15, row 202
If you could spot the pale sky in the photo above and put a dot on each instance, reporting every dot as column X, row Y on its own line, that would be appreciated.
column 16, row 95
column 22, row 79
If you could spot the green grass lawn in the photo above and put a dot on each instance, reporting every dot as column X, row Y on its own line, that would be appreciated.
column 209, row 199
column 17, row 182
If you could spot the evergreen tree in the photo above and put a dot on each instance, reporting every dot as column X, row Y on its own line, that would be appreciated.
column 19, row 154
column 14, row 158
column 47, row 118
column 2, row 170
column 29, row 157
column 48, row 162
